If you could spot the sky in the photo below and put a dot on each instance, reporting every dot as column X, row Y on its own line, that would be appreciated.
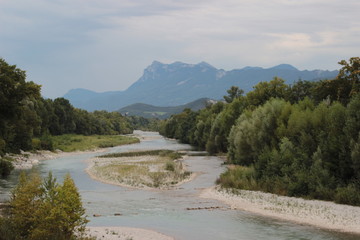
column 105, row 45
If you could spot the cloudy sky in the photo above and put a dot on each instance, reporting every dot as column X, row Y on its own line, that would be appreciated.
column 104, row 45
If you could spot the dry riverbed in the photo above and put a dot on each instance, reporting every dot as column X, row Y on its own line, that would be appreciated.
column 322, row 214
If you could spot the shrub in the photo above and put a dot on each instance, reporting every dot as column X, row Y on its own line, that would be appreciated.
column 170, row 166
column 348, row 195
column 2, row 146
column 47, row 143
column 238, row 177
column 6, row 167
column 36, row 143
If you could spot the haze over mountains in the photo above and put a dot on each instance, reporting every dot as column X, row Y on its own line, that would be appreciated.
column 180, row 83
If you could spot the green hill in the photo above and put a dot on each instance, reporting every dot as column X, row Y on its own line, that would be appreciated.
column 150, row 111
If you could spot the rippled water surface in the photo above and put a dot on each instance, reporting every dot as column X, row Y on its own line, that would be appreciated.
column 166, row 211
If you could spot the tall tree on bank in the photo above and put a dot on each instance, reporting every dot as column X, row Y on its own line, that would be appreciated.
column 18, row 118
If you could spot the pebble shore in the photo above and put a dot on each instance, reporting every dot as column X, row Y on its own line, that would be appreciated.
column 322, row 214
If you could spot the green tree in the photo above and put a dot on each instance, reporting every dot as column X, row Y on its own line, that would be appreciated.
column 264, row 91
column 233, row 93
column 5, row 167
column 344, row 86
column 221, row 126
column 18, row 119
column 254, row 131
column 351, row 72
column 300, row 90
column 44, row 209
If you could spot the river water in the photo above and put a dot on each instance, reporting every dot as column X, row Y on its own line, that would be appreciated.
column 166, row 211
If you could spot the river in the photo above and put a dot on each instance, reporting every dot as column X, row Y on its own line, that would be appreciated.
column 166, row 211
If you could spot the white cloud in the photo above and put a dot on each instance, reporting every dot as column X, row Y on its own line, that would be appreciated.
column 105, row 44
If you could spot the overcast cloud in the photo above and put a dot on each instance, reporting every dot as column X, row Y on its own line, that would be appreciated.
column 104, row 45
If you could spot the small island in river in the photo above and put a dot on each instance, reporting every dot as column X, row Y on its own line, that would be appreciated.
column 157, row 169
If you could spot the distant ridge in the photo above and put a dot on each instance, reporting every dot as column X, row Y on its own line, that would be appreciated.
column 285, row 67
column 150, row 111
column 180, row 83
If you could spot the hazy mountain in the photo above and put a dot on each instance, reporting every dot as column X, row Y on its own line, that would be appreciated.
column 180, row 83
column 150, row 111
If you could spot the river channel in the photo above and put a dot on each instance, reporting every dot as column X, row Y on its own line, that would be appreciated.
column 166, row 211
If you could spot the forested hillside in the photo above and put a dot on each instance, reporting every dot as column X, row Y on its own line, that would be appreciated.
column 297, row 140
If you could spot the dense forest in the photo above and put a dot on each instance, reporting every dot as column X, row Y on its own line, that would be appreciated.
column 28, row 121
column 298, row 140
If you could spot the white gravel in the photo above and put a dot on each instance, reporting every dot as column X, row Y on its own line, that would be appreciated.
column 322, row 214
column 125, row 233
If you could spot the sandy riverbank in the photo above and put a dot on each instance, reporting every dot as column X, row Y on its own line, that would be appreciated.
column 27, row 160
column 322, row 214
column 125, row 233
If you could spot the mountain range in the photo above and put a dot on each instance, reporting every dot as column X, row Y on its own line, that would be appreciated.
column 180, row 83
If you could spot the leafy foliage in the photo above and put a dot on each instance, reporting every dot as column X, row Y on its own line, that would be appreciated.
column 298, row 140
column 5, row 167
column 44, row 209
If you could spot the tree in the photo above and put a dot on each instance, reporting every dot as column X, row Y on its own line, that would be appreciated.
column 221, row 126
column 23, row 204
column 18, row 119
column 344, row 86
column 264, row 91
column 5, row 167
column 254, row 131
column 233, row 93
column 300, row 90
column 351, row 72
column 44, row 209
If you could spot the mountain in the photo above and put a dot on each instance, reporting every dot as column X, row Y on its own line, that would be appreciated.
column 150, row 111
column 179, row 83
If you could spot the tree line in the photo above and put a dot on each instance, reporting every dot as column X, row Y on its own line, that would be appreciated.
column 28, row 121
column 301, row 139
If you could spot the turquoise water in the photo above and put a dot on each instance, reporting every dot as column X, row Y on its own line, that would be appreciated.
column 166, row 211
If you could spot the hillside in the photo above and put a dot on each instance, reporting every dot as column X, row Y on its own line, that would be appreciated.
column 150, row 111
column 179, row 83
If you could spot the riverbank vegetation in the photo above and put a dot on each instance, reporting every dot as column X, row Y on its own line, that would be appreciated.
column 298, row 140
column 29, row 122
column 144, row 169
column 74, row 142
column 43, row 209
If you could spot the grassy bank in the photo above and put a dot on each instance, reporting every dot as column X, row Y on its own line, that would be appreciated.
column 147, row 169
column 72, row 142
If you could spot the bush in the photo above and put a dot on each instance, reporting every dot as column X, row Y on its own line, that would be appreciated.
column 6, row 167
column 2, row 146
column 170, row 166
column 47, row 143
column 36, row 144
column 238, row 177
column 348, row 195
